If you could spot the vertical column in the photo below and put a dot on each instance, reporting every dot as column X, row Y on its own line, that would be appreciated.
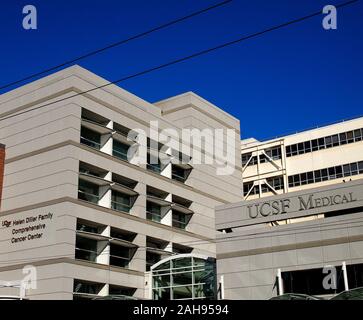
column 138, row 261
column 105, row 193
column 103, row 248
column 107, row 141
column 167, row 213
column 139, row 207
column 2, row 164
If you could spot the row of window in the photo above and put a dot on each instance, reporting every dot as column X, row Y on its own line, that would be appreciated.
column 331, row 173
column 276, row 182
column 324, row 143
column 120, row 150
column 306, row 147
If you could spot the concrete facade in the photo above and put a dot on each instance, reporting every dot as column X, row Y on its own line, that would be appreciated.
column 250, row 256
column 294, row 162
column 68, row 188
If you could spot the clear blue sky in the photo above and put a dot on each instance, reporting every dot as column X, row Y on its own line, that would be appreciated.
column 285, row 81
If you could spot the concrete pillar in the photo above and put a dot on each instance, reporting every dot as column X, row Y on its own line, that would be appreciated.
column 107, row 141
column 105, row 193
column 103, row 248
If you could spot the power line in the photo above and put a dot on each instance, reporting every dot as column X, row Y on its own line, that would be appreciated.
column 173, row 62
column 119, row 43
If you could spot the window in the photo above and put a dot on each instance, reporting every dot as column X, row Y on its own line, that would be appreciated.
column 360, row 167
column 86, row 249
column 335, row 139
column 328, row 142
column 300, row 148
column 321, row 142
column 291, row 181
column 120, row 202
column 324, row 142
column 90, row 138
column 353, row 169
column 317, row 174
column 120, row 150
column 120, row 256
column 343, row 138
column 307, row 146
column 310, row 177
column 339, row 171
column 324, row 174
column 184, row 278
column 350, row 137
column 153, row 212
column 88, row 191
column 180, row 220
column 358, row 135
column 303, row 178
column 314, row 145
column 331, row 173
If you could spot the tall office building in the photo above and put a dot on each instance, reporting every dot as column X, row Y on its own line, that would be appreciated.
column 302, row 214
column 78, row 205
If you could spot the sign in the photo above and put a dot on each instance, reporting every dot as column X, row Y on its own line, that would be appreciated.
column 308, row 202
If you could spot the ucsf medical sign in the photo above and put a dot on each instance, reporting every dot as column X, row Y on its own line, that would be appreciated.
column 299, row 203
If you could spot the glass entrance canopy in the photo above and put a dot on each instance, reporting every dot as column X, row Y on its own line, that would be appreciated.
column 184, row 277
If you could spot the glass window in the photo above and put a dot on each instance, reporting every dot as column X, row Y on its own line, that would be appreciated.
column 310, row 176
column 120, row 202
column 291, row 181
column 350, row 137
column 328, row 142
column 307, row 146
column 335, row 139
column 314, row 145
column 153, row 212
column 343, row 138
column 288, row 151
column 90, row 138
column 354, row 168
column 304, row 178
column 321, row 142
column 120, row 150
column 294, row 149
column 331, row 173
column 317, row 174
column 297, row 180
column 339, row 171
column 300, row 148
column 88, row 191
column 324, row 174
column 358, row 135
column 360, row 167
column 346, row 170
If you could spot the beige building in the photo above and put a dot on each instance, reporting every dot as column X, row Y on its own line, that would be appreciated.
column 92, row 220
column 301, row 218
column 312, row 158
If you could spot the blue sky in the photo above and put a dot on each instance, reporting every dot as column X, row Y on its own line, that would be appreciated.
column 288, row 80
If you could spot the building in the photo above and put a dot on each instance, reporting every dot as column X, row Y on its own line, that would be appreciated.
column 2, row 160
column 302, row 212
column 92, row 220
column 311, row 158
